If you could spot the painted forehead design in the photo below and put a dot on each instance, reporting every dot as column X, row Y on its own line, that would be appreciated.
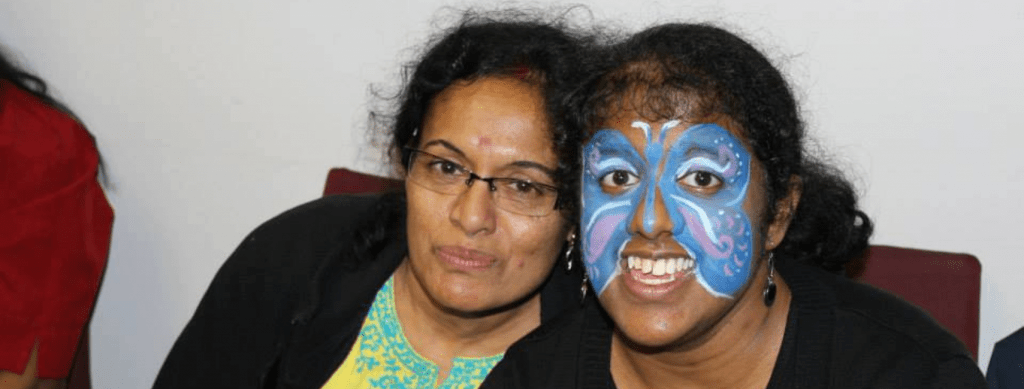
column 709, row 225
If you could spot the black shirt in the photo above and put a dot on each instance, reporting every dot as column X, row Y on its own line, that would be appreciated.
column 839, row 334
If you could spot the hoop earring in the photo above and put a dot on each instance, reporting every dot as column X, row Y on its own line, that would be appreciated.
column 769, row 289
column 568, row 252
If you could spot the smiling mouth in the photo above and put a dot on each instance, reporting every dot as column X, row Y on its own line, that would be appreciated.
column 653, row 272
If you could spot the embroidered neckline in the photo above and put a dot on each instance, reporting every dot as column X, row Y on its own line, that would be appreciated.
column 398, row 346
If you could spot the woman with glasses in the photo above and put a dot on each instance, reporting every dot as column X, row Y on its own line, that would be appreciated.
column 428, row 287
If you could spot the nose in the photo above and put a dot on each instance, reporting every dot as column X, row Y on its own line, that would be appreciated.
column 473, row 211
column 651, row 217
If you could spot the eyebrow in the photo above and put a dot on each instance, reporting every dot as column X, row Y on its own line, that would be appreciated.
column 521, row 164
column 699, row 150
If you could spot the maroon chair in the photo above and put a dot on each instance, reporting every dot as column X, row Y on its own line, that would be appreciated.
column 946, row 285
column 344, row 181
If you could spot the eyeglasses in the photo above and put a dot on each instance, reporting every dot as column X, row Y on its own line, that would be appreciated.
column 510, row 194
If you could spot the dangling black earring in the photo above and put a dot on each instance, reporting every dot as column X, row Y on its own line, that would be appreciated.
column 769, row 289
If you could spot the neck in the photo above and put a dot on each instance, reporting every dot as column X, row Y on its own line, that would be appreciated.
column 747, row 339
column 440, row 334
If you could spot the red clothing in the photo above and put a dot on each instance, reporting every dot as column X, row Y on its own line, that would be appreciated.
column 55, row 226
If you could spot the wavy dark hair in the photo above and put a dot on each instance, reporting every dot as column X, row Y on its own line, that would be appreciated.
column 707, row 70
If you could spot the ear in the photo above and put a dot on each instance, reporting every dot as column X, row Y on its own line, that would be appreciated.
column 785, row 208
column 570, row 235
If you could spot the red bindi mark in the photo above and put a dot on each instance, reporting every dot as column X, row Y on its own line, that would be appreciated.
column 521, row 72
column 483, row 141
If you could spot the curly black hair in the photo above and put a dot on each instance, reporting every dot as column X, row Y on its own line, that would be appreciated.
column 707, row 70
column 544, row 51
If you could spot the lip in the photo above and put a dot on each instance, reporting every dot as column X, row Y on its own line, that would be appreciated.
column 654, row 275
column 464, row 258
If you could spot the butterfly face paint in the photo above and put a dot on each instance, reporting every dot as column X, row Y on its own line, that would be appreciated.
column 701, row 178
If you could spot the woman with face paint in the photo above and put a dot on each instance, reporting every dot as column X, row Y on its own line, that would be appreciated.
column 429, row 286
column 713, row 241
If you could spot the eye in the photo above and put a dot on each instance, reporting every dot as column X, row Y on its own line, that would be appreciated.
column 701, row 181
column 618, row 181
column 444, row 166
column 524, row 186
column 520, row 189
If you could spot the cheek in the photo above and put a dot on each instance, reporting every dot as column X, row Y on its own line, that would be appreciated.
column 535, row 242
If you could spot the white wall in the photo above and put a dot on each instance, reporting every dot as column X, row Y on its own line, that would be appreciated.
column 215, row 115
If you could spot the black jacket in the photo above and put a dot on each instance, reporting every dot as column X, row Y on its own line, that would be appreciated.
column 840, row 334
column 286, row 307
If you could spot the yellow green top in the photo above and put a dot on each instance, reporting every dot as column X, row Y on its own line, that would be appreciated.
column 383, row 358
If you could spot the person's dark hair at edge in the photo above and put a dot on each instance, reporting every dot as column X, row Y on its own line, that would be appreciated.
column 712, row 71
column 37, row 87
column 535, row 46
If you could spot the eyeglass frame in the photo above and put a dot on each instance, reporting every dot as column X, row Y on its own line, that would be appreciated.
column 413, row 154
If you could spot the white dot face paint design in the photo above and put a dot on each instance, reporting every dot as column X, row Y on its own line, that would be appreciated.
column 703, row 184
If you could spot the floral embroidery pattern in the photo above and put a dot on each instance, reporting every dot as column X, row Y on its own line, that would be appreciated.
column 384, row 359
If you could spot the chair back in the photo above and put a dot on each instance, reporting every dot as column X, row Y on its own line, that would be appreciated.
column 344, row 181
column 946, row 285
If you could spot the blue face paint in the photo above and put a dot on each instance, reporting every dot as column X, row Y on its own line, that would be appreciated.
column 702, row 178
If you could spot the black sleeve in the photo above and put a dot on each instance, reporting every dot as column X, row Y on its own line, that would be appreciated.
column 242, row 322
column 233, row 334
column 959, row 373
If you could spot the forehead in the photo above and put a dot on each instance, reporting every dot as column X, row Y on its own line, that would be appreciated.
column 492, row 116
column 626, row 122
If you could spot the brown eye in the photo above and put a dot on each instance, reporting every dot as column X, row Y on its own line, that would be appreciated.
column 618, row 181
column 703, row 178
column 701, row 181
column 620, row 178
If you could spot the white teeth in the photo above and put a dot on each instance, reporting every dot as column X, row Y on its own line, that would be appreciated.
column 659, row 267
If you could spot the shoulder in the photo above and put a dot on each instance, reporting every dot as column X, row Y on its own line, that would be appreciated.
column 880, row 340
column 304, row 236
column 38, row 128
column 864, row 309
column 325, row 216
column 42, row 150
column 573, row 350
column 1007, row 354
column 259, row 293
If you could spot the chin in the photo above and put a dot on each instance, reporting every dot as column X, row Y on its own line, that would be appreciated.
column 651, row 335
column 654, row 327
